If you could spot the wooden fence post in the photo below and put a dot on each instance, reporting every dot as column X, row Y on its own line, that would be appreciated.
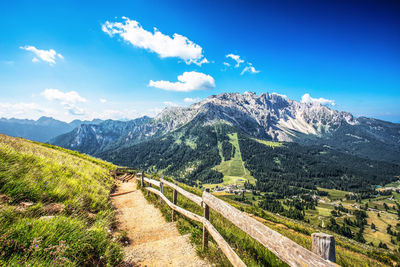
column 161, row 187
column 148, row 192
column 142, row 179
column 174, row 199
column 206, row 216
column 324, row 246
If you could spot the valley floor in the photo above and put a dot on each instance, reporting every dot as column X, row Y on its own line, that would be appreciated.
column 153, row 241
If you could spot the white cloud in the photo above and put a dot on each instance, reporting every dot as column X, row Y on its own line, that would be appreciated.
column 48, row 56
column 188, row 81
column 23, row 110
column 74, row 110
column 249, row 68
column 236, row 58
column 170, row 104
column 191, row 100
column 102, row 100
column 165, row 46
column 68, row 100
column 323, row 101
column 68, row 97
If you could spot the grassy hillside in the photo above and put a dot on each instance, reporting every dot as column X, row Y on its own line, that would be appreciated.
column 233, row 169
column 54, row 207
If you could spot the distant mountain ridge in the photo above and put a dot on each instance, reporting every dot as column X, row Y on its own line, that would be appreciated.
column 93, row 138
column 41, row 130
column 268, row 116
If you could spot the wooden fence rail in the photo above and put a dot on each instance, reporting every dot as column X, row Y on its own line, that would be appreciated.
column 287, row 250
column 196, row 199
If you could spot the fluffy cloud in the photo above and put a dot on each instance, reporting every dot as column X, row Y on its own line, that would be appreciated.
column 68, row 97
column 23, row 110
column 236, row 58
column 48, row 56
column 250, row 69
column 188, row 81
column 165, row 46
column 74, row 110
column 323, row 101
column 68, row 100
column 191, row 100
column 102, row 100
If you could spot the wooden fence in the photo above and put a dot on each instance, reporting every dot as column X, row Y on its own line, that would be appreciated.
column 323, row 245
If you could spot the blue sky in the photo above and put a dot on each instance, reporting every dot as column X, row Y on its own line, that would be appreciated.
column 62, row 58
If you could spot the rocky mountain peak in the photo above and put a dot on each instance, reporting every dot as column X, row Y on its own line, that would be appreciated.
column 268, row 115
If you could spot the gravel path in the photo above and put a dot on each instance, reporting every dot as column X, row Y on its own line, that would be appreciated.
column 154, row 242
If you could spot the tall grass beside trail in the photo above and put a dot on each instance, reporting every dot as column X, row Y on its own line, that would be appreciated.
column 348, row 252
column 54, row 207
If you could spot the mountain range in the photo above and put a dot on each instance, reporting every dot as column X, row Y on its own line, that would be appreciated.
column 268, row 116
column 267, row 142
column 41, row 130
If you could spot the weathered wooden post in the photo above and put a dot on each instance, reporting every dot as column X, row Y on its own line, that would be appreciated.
column 148, row 192
column 206, row 216
column 161, row 187
column 174, row 198
column 324, row 246
column 142, row 179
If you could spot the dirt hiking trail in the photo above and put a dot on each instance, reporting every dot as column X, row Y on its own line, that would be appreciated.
column 153, row 241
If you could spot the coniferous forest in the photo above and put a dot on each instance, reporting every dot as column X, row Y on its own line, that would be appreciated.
column 191, row 152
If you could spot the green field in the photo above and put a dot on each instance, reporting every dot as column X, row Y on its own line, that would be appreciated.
column 334, row 194
column 54, row 207
column 234, row 170
column 396, row 196
column 269, row 143
column 386, row 216
column 394, row 184
column 381, row 224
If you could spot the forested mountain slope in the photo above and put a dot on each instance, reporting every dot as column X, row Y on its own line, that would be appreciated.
column 192, row 152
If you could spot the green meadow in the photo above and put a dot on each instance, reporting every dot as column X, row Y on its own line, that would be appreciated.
column 234, row 170
column 54, row 207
